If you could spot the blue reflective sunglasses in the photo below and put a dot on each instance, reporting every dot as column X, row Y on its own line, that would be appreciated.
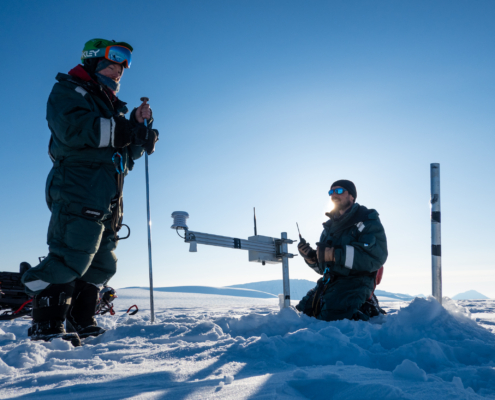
column 338, row 191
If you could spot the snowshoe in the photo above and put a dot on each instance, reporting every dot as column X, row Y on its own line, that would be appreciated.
column 23, row 311
column 90, row 330
column 106, row 297
column 49, row 330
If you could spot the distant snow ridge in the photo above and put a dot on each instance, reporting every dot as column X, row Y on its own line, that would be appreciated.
column 224, row 291
column 262, row 290
column 298, row 287
column 267, row 289
column 470, row 295
column 396, row 296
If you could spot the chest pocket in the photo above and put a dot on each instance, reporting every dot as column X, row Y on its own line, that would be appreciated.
column 351, row 235
column 347, row 236
column 339, row 239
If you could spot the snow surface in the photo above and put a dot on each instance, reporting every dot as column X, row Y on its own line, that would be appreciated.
column 223, row 347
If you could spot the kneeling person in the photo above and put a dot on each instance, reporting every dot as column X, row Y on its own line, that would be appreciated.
column 352, row 248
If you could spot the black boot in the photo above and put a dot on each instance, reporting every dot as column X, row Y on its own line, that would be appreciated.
column 81, row 315
column 49, row 311
column 371, row 308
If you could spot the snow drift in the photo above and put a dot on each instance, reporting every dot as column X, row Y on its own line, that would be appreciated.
column 246, row 349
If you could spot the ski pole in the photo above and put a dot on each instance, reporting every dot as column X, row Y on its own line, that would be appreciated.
column 152, row 304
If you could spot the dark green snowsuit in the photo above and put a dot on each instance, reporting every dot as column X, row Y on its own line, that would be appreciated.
column 82, row 189
column 360, row 246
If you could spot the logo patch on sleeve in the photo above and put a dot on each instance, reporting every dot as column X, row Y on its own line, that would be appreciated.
column 92, row 213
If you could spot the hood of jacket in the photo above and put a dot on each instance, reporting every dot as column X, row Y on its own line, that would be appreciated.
column 79, row 76
column 357, row 213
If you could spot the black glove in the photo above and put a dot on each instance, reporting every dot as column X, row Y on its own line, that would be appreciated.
column 152, row 139
column 122, row 136
column 306, row 251
column 146, row 138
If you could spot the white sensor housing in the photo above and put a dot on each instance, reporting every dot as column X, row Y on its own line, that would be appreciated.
column 180, row 220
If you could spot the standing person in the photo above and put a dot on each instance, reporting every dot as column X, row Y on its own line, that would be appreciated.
column 92, row 146
column 351, row 251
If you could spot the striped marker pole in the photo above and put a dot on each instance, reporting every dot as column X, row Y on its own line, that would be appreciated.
column 436, row 236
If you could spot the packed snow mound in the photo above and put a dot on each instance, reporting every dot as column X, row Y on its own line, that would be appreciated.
column 470, row 295
column 424, row 332
column 410, row 370
column 245, row 351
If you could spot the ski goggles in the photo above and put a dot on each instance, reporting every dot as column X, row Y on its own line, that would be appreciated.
column 338, row 191
column 119, row 55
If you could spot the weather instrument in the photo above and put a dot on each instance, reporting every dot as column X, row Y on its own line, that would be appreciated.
column 263, row 249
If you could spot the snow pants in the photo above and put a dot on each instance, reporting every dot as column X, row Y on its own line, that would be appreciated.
column 339, row 299
column 80, row 236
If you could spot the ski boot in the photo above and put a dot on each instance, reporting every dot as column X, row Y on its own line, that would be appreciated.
column 49, row 311
column 81, row 315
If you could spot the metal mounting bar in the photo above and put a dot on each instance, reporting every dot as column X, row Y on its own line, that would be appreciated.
column 289, row 241
column 225, row 241
column 288, row 255
column 263, row 249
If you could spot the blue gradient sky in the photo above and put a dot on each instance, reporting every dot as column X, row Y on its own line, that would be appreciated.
column 265, row 104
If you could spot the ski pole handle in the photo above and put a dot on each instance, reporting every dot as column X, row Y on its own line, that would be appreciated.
column 145, row 100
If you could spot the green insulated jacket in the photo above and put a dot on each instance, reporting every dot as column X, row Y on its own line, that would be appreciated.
column 80, row 116
column 359, row 241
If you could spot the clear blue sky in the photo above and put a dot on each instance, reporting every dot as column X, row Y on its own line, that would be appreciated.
column 265, row 104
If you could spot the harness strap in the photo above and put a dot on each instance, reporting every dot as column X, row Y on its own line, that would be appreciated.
column 316, row 299
column 118, row 206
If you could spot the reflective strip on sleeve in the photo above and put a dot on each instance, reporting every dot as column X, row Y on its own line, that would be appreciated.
column 105, row 132
column 112, row 131
column 36, row 285
column 349, row 256
column 80, row 90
